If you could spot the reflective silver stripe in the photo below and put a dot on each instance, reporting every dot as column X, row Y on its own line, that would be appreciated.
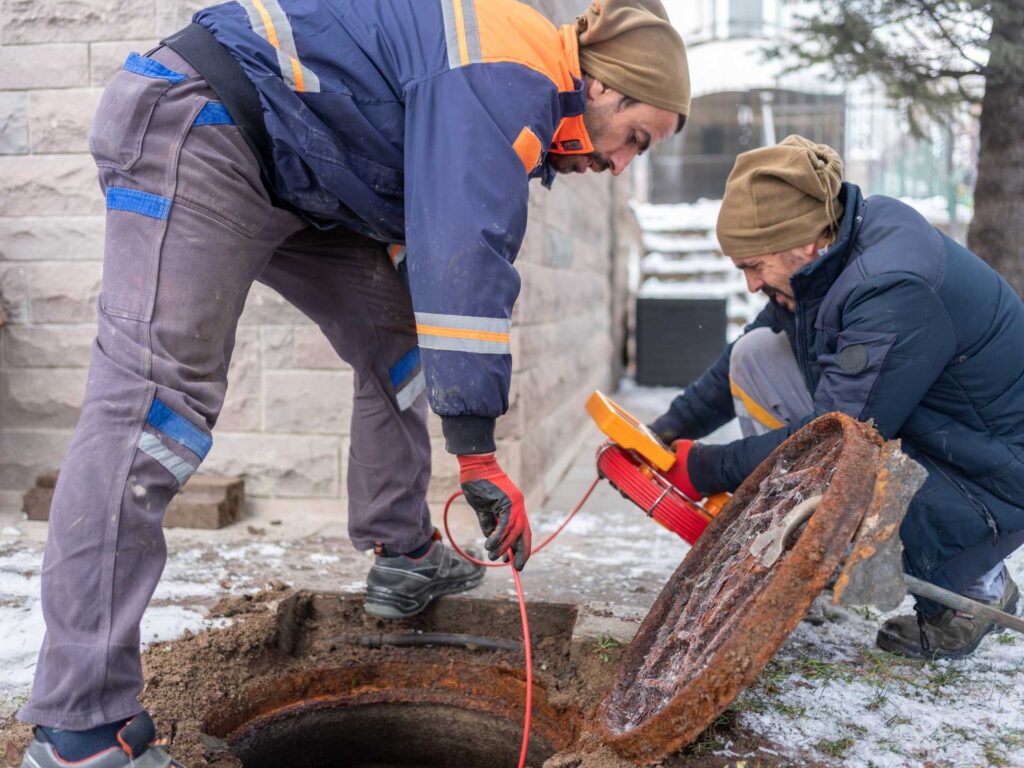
column 466, row 322
column 152, row 447
column 407, row 395
column 460, row 15
column 472, row 31
column 465, row 345
column 279, row 34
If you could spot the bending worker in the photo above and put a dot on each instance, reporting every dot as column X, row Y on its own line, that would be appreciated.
column 874, row 313
column 370, row 160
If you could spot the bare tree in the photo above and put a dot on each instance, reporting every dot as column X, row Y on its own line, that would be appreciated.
column 935, row 56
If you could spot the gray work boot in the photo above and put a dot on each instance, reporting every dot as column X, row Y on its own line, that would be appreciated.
column 137, row 749
column 949, row 634
column 399, row 587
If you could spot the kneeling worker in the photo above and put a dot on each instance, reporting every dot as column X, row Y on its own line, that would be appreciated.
column 874, row 313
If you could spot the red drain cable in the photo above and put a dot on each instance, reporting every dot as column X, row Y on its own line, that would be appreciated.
column 522, row 602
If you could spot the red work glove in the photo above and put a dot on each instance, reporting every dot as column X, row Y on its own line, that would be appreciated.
column 499, row 507
column 678, row 474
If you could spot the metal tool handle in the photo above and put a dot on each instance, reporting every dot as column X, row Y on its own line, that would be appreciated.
column 965, row 604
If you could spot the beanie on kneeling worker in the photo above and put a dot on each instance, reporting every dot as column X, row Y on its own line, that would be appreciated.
column 780, row 197
column 630, row 46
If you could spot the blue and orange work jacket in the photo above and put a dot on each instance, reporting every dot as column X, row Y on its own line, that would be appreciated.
column 420, row 122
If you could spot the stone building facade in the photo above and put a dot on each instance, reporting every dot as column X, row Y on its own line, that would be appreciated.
column 285, row 422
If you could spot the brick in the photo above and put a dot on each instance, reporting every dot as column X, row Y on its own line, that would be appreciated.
column 26, row 454
column 41, row 398
column 14, row 293
column 105, row 58
column 60, row 120
column 277, row 346
column 172, row 15
column 206, row 501
column 14, row 123
column 243, row 410
column 265, row 306
column 33, row 346
column 49, row 185
column 308, row 402
column 444, row 476
column 52, row 65
column 47, row 21
column 550, row 294
column 312, row 350
column 33, row 238
column 278, row 465
column 64, row 292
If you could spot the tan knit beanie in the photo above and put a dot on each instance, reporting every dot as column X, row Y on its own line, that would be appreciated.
column 779, row 198
column 629, row 45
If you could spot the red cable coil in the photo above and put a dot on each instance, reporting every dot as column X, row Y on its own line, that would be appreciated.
column 653, row 494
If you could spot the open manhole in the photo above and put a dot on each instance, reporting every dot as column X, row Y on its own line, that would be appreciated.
column 724, row 612
column 308, row 679
column 390, row 715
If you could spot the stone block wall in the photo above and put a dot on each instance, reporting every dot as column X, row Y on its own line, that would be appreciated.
column 285, row 421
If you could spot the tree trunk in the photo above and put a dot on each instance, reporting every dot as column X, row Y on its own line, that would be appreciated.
column 996, row 232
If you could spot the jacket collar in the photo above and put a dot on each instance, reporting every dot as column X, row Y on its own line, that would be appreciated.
column 570, row 137
column 813, row 280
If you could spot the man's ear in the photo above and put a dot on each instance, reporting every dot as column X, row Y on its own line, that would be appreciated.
column 595, row 87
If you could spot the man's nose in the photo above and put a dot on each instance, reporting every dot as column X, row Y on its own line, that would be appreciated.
column 621, row 159
column 753, row 284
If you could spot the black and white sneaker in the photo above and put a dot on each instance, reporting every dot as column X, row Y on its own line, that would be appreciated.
column 136, row 748
column 399, row 587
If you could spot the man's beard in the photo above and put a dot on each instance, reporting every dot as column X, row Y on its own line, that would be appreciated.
column 595, row 120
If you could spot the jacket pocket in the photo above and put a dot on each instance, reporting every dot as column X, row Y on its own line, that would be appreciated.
column 380, row 178
column 125, row 110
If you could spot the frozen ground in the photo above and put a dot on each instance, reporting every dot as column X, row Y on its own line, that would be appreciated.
column 829, row 692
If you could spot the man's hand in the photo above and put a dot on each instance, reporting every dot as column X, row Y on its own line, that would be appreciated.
column 499, row 507
column 678, row 474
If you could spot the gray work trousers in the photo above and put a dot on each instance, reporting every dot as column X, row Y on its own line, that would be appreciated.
column 769, row 392
column 189, row 228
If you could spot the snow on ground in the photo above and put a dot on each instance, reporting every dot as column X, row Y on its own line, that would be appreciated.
column 828, row 693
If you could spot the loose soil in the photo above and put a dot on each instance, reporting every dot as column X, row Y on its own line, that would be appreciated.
column 202, row 688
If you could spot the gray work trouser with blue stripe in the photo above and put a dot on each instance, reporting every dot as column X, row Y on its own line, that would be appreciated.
column 769, row 391
column 189, row 228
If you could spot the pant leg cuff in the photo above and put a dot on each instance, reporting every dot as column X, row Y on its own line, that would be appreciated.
column 78, row 721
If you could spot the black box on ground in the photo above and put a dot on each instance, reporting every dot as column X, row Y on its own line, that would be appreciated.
column 677, row 339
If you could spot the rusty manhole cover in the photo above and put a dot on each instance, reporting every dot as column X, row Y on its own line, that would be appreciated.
column 723, row 614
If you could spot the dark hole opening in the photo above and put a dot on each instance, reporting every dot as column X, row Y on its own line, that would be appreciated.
column 388, row 736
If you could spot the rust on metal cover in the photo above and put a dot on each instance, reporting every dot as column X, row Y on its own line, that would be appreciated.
column 722, row 614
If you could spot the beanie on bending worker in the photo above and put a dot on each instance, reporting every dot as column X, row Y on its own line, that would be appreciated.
column 630, row 46
column 780, row 197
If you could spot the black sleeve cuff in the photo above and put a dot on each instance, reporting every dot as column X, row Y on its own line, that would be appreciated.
column 668, row 427
column 701, row 466
column 468, row 434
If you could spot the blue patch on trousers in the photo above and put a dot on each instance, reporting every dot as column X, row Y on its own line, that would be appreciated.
column 401, row 370
column 136, row 201
column 178, row 428
column 140, row 65
column 214, row 113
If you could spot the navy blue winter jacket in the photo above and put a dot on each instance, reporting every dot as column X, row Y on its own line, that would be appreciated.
column 899, row 324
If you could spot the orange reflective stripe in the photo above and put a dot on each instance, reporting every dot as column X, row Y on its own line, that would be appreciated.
column 527, row 146
column 268, row 24
column 755, row 409
column 297, row 75
column 461, row 333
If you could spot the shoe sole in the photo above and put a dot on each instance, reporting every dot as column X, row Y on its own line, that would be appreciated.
column 382, row 604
